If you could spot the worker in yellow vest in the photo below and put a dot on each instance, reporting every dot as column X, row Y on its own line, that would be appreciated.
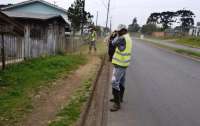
column 121, row 61
column 92, row 39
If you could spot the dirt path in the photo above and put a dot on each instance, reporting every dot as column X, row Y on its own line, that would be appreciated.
column 50, row 100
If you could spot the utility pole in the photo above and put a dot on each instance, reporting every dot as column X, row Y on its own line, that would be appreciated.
column 108, row 11
column 83, row 16
column 110, row 24
column 97, row 18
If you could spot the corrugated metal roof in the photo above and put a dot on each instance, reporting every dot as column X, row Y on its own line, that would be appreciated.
column 30, row 15
column 17, row 28
column 33, row 1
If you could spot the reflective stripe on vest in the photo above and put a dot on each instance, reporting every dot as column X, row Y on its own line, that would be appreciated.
column 123, row 54
column 123, row 58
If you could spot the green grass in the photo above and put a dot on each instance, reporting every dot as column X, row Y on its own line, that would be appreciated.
column 187, row 52
column 69, row 115
column 71, row 112
column 20, row 82
column 189, row 41
column 101, row 48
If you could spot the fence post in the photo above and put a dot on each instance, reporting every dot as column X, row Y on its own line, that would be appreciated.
column 3, row 52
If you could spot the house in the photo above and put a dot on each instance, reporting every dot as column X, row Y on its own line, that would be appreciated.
column 4, row 5
column 11, row 34
column 10, row 26
column 37, row 6
column 195, row 31
column 44, row 33
column 44, row 25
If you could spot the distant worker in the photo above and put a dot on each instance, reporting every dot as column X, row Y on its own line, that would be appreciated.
column 111, row 47
column 121, row 61
column 92, row 40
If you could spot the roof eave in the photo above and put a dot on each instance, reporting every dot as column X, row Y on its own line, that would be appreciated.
column 32, row 1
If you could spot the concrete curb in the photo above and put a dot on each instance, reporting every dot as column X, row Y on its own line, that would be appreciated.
column 84, row 114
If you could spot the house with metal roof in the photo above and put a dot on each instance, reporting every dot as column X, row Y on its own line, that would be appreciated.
column 44, row 24
column 10, row 26
column 11, row 39
column 37, row 6
column 44, row 33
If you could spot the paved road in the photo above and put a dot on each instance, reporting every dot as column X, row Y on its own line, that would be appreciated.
column 163, row 89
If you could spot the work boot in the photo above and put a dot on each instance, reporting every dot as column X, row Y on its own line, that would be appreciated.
column 122, row 89
column 112, row 100
column 116, row 105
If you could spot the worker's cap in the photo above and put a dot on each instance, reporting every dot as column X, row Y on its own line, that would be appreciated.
column 121, row 27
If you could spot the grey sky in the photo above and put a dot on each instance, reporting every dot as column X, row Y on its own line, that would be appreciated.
column 123, row 11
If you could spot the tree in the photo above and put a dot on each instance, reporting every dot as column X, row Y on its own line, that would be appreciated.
column 154, row 18
column 167, row 19
column 78, row 16
column 186, row 19
column 149, row 28
column 134, row 27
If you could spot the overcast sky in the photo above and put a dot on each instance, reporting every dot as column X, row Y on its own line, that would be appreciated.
column 123, row 11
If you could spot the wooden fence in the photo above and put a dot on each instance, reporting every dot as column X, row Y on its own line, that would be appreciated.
column 15, row 48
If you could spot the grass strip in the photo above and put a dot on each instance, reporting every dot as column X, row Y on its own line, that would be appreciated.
column 187, row 52
column 71, row 112
column 189, row 41
column 19, row 83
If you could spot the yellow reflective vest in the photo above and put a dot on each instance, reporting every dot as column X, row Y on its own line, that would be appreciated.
column 123, row 58
column 93, row 36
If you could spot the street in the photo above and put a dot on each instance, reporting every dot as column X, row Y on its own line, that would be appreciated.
column 162, row 89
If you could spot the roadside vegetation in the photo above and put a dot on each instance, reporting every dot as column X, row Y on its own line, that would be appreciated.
column 70, row 113
column 20, row 82
column 193, row 42
column 101, row 48
column 187, row 52
column 72, row 110
column 189, row 41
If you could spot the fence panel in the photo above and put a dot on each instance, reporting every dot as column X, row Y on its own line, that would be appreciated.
column 13, row 49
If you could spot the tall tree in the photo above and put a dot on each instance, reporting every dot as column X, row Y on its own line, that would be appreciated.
column 134, row 27
column 77, row 15
column 186, row 18
column 167, row 19
column 154, row 18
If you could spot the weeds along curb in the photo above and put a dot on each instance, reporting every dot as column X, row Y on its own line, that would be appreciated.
column 84, row 114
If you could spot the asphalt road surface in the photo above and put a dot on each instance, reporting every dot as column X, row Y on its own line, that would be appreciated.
column 162, row 89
